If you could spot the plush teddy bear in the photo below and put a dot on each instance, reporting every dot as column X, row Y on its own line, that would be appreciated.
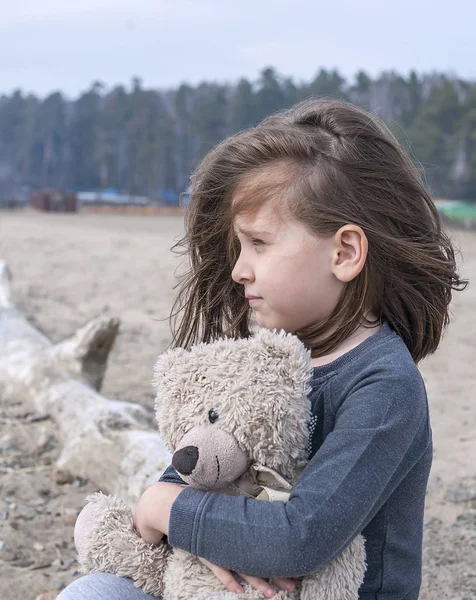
column 235, row 415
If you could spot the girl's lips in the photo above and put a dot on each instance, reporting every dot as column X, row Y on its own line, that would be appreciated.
column 253, row 299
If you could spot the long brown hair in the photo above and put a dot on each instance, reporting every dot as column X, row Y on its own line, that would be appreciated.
column 345, row 167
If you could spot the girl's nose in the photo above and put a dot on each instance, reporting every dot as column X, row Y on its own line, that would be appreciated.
column 242, row 271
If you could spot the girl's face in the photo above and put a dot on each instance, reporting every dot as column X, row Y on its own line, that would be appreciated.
column 285, row 270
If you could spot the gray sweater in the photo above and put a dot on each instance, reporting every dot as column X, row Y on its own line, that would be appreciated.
column 370, row 456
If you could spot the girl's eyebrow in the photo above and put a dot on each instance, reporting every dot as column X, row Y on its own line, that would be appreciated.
column 250, row 233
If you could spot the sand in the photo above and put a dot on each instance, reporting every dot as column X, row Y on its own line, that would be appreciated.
column 70, row 268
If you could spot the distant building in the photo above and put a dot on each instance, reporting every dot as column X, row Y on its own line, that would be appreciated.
column 54, row 201
column 110, row 197
column 111, row 201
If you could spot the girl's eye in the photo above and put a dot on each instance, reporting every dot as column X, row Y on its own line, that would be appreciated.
column 212, row 416
column 257, row 242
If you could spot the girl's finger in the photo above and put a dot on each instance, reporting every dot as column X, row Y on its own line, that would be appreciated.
column 287, row 585
column 259, row 584
column 225, row 576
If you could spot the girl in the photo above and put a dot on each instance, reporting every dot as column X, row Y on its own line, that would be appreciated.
column 318, row 223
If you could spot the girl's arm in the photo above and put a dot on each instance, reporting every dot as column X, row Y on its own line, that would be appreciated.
column 151, row 520
column 152, row 513
column 381, row 431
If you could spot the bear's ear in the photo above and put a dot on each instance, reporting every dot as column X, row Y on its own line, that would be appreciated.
column 165, row 362
column 283, row 346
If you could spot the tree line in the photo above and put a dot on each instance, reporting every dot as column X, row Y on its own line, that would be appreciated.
column 144, row 141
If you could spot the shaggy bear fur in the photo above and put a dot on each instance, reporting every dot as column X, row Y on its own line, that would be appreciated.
column 234, row 414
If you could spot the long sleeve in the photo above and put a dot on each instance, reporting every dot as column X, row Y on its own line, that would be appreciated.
column 170, row 475
column 380, row 432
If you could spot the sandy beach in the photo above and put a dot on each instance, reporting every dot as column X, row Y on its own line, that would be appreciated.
column 68, row 269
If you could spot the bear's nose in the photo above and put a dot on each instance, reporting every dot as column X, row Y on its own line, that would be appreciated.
column 185, row 460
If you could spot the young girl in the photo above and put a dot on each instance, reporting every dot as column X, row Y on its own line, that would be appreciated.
column 318, row 223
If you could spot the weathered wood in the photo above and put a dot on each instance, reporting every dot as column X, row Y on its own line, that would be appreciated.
column 112, row 443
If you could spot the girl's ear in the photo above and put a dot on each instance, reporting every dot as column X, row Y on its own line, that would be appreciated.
column 349, row 253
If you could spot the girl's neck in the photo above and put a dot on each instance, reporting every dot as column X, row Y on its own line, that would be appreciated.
column 361, row 334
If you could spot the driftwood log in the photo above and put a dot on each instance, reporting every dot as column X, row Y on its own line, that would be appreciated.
column 113, row 444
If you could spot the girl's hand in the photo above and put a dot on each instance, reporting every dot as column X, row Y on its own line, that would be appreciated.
column 229, row 581
column 151, row 518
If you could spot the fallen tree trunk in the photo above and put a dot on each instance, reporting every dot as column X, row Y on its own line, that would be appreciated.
column 111, row 443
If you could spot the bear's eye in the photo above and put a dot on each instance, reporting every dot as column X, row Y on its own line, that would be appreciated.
column 212, row 416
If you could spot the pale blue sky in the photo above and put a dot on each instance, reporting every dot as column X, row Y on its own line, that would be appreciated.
column 46, row 45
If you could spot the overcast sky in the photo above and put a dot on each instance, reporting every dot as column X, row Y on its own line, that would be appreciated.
column 48, row 45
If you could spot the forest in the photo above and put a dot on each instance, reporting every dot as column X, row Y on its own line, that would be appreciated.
column 148, row 141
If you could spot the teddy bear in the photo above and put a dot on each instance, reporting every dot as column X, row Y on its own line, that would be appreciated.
column 235, row 415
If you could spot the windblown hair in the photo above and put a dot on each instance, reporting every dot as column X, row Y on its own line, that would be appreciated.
column 343, row 166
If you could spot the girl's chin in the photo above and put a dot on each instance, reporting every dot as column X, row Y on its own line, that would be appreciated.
column 254, row 302
column 268, row 324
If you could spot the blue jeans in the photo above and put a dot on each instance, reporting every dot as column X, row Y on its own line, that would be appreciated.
column 103, row 586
